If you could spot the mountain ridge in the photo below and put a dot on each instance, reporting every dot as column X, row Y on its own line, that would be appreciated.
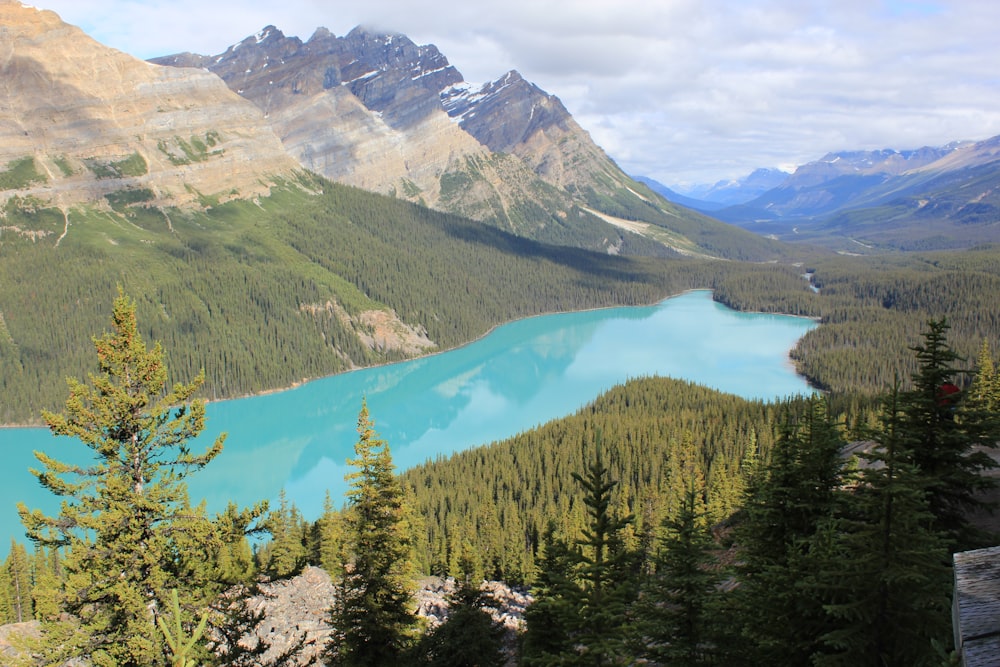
column 89, row 125
column 377, row 111
column 926, row 198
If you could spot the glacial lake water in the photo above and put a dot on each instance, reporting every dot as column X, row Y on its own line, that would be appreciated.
column 521, row 375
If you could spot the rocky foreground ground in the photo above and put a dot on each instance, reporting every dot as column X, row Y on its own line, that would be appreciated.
column 297, row 608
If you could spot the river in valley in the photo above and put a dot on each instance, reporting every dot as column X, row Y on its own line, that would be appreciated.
column 519, row 376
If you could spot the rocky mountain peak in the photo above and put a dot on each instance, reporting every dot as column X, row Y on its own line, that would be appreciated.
column 506, row 112
column 90, row 122
column 375, row 110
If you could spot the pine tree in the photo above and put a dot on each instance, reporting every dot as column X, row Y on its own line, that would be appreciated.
column 18, row 570
column 673, row 614
column 327, row 539
column 468, row 637
column 607, row 574
column 584, row 589
column 797, row 492
column 985, row 388
column 945, row 436
column 229, row 550
column 552, row 618
column 371, row 615
column 121, row 516
column 880, row 569
column 46, row 583
column 6, row 605
column 286, row 554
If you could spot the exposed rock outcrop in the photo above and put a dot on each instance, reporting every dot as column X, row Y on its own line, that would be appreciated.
column 297, row 608
column 379, row 112
column 80, row 121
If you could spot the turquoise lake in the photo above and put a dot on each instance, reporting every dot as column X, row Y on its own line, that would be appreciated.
column 521, row 375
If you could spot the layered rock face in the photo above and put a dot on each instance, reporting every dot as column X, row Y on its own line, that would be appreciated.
column 382, row 113
column 361, row 110
column 512, row 115
column 79, row 121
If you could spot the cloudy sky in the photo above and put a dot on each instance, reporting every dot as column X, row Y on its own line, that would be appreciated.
column 683, row 91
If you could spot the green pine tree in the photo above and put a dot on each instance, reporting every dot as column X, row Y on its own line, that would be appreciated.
column 551, row 619
column 985, row 388
column 285, row 555
column 371, row 616
column 881, row 569
column 796, row 492
column 47, row 583
column 122, row 516
column 945, row 435
column 673, row 616
column 17, row 567
column 327, row 539
column 607, row 571
column 468, row 637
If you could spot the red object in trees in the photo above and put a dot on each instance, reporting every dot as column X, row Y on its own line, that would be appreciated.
column 946, row 394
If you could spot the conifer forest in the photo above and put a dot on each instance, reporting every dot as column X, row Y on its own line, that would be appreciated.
column 665, row 523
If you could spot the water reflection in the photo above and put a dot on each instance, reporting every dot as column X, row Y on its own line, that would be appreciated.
column 521, row 375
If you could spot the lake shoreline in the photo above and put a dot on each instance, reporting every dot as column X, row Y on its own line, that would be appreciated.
column 298, row 383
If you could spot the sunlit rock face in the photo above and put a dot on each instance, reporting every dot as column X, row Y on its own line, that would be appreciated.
column 96, row 121
column 380, row 112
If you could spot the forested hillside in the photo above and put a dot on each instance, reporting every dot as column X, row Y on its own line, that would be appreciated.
column 492, row 505
column 262, row 296
column 265, row 294
column 872, row 309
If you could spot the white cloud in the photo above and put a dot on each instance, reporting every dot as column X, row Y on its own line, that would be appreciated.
column 679, row 90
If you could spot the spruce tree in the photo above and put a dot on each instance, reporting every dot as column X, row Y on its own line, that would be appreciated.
column 584, row 589
column 371, row 617
column 945, row 435
column 122, row 515
column 285, row 555
column 881, row 569
column 985, row 388
column 552, row 618
column 17, row 567
column 468, row 637
column 607, row 571
column 673, row 614
column 797, row 492
column 326, row 542
column 46, row 583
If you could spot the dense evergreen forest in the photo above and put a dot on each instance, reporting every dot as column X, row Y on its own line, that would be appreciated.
column 659, row 486
column 666, row 523
column 251, row 293
column 265, row 294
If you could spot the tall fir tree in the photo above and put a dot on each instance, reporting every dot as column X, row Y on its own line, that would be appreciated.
column 881, row 568
column 551, row 619
column 585, row 587
column 285, row 555
column 945, row 434
column 17, row 567
column 371, row 617
column 673, row 615
column 607, row 572
column 122, row 515
column 326, row 540
column 786, row 504
column 468, row 637
column 46, row 583
column 985, row 388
